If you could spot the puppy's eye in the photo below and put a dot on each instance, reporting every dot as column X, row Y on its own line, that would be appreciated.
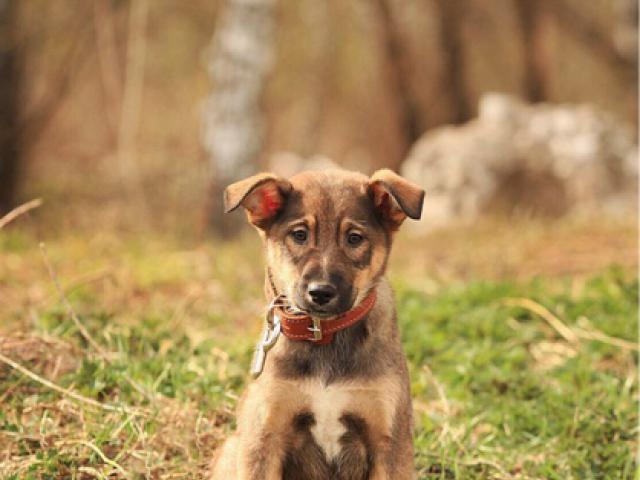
column 354, row 239
column 299, row 236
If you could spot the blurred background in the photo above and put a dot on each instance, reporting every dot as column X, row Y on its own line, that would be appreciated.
column 517, row 292
column 134, row 114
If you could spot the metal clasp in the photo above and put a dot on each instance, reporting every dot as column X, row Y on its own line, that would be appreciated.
column 269, row 338
column 316, row 329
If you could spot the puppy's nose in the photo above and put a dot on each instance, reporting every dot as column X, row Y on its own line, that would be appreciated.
column 321, row 293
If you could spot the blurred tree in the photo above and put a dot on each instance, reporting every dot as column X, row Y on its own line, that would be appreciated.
column 132, row 92
column 24, row 117
column 451, row 15
column 532, row 16
column 9, row 105
column 109, row 63
column 322, row 44
column 625, row 34
column 241, row 56
column 399, row 77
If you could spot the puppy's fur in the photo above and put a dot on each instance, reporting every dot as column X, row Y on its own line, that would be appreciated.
column 341, row 410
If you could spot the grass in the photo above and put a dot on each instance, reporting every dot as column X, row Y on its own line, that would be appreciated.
column 499, row 390
column 499, row 393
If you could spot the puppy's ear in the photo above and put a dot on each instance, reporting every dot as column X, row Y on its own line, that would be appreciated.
column 395, row 198
column 262, row 195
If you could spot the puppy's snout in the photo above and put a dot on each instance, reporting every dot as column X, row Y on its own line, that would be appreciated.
column 321, row 293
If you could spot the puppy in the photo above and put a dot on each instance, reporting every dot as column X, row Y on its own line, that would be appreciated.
column 331, row 399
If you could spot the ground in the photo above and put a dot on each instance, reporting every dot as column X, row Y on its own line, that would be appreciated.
column 122, row 355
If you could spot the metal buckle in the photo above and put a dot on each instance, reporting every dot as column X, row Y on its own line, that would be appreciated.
column 316, row 329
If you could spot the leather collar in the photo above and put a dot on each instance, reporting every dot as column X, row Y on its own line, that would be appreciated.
column 302, row 326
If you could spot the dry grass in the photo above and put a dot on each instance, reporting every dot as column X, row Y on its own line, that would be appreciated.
column 165, row 316
column 520, row 249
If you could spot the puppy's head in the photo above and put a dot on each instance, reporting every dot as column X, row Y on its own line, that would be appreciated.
column 327, row 234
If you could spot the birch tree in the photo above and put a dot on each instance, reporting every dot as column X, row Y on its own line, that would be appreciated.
column 240, row 58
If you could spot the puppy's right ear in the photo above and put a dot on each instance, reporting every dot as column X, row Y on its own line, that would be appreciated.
column 263, row 196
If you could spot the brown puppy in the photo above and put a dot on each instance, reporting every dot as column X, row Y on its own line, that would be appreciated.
column 328, row 405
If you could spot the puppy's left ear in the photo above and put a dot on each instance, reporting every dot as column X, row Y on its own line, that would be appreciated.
column 395, row 198
column 263, row 196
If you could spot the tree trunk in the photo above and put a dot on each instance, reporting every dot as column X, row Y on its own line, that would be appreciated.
column 241, row 56
column 9, row 106
column 399, row 77
column 531, row 19
column 625, row 35
column 451, row 13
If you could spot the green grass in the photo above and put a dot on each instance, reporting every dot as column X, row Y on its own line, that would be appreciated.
column 514, row 397
column 499, row 393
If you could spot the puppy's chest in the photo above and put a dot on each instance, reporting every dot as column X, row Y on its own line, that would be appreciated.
column 331, row 406
column 327, row 406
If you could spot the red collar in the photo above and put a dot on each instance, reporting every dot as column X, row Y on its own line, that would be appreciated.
column 301, row 326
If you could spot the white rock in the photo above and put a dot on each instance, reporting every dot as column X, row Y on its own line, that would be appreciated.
column 590, row 155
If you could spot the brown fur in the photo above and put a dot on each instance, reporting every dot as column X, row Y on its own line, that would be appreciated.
column 343, row 410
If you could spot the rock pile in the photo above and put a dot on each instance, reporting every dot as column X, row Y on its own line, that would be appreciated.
column 548, row 159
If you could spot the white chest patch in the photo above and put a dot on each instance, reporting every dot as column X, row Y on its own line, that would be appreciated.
column 328, row 404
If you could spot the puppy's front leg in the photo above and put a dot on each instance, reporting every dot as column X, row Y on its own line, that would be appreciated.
column 382, row 471
column 265, row 423
column 380, row 468
column 261, row 457
column 392, row 456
